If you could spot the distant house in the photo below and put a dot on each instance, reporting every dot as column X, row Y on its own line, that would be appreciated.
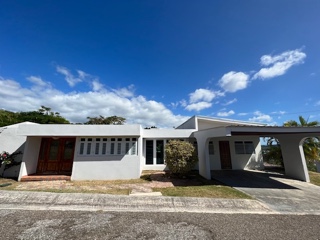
column 102, row 152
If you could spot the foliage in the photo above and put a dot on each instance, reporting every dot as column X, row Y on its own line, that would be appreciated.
column 311, row 146
column 8, row 159
column 180, row 157
column 113, row 120
column 44, row 115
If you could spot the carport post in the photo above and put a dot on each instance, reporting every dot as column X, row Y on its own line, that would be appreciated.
column 203, row 155
column 293, row 157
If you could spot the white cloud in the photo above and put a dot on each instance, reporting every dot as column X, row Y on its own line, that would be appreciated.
column 234, row 81
column 77, row 106
column 200, row 99
column 225, row 114
column 198, row 106
column 68, row 76
column 317, row 103
column 279, row 64
column 260, row 117
column 37, row 81
column 242, row 114
column 230, row 102
column 201, row 95
column 125, row 92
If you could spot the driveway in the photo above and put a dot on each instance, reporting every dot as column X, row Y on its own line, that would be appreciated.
column 276, row 191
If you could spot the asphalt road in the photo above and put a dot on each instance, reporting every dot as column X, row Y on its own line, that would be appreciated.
column 33, row 224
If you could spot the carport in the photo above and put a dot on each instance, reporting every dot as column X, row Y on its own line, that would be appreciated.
column 291, row 142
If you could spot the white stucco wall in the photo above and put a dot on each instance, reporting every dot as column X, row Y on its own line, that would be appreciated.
column 105, row 167
column 11, row 142
column 238, row 161
column 30, row 156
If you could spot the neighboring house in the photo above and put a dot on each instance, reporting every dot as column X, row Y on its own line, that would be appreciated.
column 102, row 152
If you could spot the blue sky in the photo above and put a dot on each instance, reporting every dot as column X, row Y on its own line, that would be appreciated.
column 157, row 63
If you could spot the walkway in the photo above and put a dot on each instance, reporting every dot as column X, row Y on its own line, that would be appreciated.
column 277, row 192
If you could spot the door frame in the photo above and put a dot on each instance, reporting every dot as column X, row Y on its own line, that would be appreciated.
column 62, row 166
column 225, row 155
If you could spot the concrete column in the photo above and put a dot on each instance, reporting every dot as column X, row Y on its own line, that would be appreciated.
column 30, row 156
column 203, row 155
column 293, row 157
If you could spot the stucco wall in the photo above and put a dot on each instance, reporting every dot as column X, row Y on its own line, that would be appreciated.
column 239, row 161
column 30, row 156
column 105, row 167
column 10, row 142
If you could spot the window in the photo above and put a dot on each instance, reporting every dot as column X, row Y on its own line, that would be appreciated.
column 211, row 148
column 245, row 147
column 107, row 146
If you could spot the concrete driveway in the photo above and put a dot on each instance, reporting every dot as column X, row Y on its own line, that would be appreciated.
column 276, row 191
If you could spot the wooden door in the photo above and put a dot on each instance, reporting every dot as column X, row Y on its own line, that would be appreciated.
column 225, row 156
column 56, row 156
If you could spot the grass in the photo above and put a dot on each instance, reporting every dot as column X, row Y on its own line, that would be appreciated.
column 208, row 191
column 314, row 178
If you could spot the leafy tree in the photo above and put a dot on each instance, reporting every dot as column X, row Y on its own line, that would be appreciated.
column 43, row 116
column 8, row 160
column 311, row 146
column 113, row 120
column 180, row 157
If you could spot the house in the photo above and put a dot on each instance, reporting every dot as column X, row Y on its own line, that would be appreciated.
column 103, row 152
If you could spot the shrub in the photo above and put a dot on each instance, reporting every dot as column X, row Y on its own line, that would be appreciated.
column 180, row 157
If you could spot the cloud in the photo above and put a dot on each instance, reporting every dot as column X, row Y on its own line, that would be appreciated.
column 279, row 64
column 198, row 106
column 201, row 95
column 200, row 99
column 125, row 92
column 230, row 102
column 260, row 117
column 77, row 106
column 68, row 76
column 234, row 81
column 37, row 81
column 225, row 114
column 242, row 114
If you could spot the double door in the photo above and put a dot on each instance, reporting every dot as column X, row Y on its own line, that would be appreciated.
column 56, row 156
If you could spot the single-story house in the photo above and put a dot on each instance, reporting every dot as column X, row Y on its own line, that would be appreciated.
column 103, row 152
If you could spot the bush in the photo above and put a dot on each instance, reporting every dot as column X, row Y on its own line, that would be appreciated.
column 180, row 157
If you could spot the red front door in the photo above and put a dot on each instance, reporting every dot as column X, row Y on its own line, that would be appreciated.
column 56, row 156
column 225, row 156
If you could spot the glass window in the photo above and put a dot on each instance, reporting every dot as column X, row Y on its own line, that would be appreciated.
column 246, row 147
column 81, row 148
column 104, row 148
column 88, row 148
column 112, row 148
column 97, row 148
column 119, row 149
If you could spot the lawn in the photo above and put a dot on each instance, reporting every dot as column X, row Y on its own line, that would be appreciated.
column 194, row 186
column 314, row 178
column 209, row 191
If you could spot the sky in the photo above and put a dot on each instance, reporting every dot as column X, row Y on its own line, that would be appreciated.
column 159, row 62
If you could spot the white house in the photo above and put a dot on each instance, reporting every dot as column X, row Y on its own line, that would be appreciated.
column 102, row 152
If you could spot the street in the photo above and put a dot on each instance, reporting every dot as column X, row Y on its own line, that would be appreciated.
column 44, row 225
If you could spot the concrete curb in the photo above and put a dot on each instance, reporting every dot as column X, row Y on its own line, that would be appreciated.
column 103, row 202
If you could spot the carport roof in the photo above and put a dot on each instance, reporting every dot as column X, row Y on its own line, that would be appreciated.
column 269, row 130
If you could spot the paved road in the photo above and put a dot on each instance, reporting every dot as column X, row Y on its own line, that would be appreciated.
column 47, row 225
column 277, row 192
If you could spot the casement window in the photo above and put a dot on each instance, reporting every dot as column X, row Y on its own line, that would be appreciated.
column 211, row 148
column 244, row 147
column 107, row 146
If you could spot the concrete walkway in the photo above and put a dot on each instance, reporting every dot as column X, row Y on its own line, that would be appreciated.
column 279, row 193
column 95, row 202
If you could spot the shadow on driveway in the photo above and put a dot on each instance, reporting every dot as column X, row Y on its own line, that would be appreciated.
column 250, row 179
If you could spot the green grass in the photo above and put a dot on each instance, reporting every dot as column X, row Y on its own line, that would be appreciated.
column 209, row 191
column 314, row 178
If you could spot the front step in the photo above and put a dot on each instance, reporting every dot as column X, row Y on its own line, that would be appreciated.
column 45, row 178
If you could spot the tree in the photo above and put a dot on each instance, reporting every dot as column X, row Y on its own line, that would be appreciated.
column 180, row 157
column 113, row 120
column 311, row 146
